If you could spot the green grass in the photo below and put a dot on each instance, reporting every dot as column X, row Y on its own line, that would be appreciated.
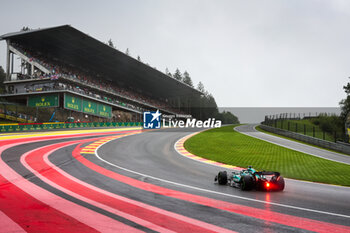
column 228, row 146
column 304, row 126
column 295, row 140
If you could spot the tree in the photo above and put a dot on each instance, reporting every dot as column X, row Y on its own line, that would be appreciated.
column 187, row 79
column 25, row 28
column 167, row 72
column 227, row 117
column 345, row 104
column 345, row 110
column 200, row 87
column 139, row 58
column 110, row 43
column 177, row 75
column 127, row 52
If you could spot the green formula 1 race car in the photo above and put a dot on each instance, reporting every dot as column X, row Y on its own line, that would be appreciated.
column 249, row 179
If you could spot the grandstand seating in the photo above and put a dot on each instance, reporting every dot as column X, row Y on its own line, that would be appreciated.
column 61, row 76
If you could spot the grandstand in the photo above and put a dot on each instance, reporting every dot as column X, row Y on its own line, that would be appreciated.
column 64, row 68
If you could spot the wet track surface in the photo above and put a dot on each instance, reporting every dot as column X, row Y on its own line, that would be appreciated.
column 251, row 131
column 167, row 191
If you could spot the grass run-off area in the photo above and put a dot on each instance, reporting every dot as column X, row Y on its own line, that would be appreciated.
column 258, row 128
column 305, row 126
column 230, row 147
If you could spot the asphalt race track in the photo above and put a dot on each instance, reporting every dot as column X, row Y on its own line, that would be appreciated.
column 251, row 131
column 137, row 182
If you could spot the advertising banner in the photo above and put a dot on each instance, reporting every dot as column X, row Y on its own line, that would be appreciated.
column 89, row 107
column 73, row 102
column 43, row 101
column 104, row 111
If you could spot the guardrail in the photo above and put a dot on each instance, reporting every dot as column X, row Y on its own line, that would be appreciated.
column 20, row 127
column 337, row 146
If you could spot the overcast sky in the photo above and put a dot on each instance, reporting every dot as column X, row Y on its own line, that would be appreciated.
column 278, row 53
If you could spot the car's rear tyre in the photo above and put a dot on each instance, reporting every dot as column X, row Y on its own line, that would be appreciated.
column 278, row 182
column 222, row 178
column 247, row 183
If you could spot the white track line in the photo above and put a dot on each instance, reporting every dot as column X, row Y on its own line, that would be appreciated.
column 8, row 225
column 288, row 147
column 214, row 192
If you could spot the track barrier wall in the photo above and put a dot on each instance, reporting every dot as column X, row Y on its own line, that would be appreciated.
column 22, row 127
column 337, row 146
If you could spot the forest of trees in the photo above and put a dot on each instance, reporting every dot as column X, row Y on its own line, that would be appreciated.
column 345, row 108
column 204, row 106
column 201, row 107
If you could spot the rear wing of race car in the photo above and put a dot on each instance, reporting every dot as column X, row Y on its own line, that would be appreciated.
column 267, row 173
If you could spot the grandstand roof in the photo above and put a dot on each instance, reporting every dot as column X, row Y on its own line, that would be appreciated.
column 75, row 47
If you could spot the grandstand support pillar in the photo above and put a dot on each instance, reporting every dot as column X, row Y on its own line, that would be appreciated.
column 188, row 105
column 12, row 58
column 8, row 61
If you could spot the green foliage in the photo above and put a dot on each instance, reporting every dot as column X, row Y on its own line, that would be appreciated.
column 25, row 28
column 329, row 124
column 167, row 72
column 345, row 108
column 187, row 79
column 110, row 43
column 200, row 87
column 322, row 127
column 295, row 140
column 227, row 117
column 230, row 147
column 177, row 75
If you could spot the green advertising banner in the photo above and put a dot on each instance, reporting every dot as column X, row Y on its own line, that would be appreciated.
column 89, row 107
column 43, row 101
column 73, row 102
column 104, row 110
column 81, row 104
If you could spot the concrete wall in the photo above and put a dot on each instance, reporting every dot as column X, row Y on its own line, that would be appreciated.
column 341, row 147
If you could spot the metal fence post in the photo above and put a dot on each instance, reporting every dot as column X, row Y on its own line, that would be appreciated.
column 304, row 129
column 313, row 131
